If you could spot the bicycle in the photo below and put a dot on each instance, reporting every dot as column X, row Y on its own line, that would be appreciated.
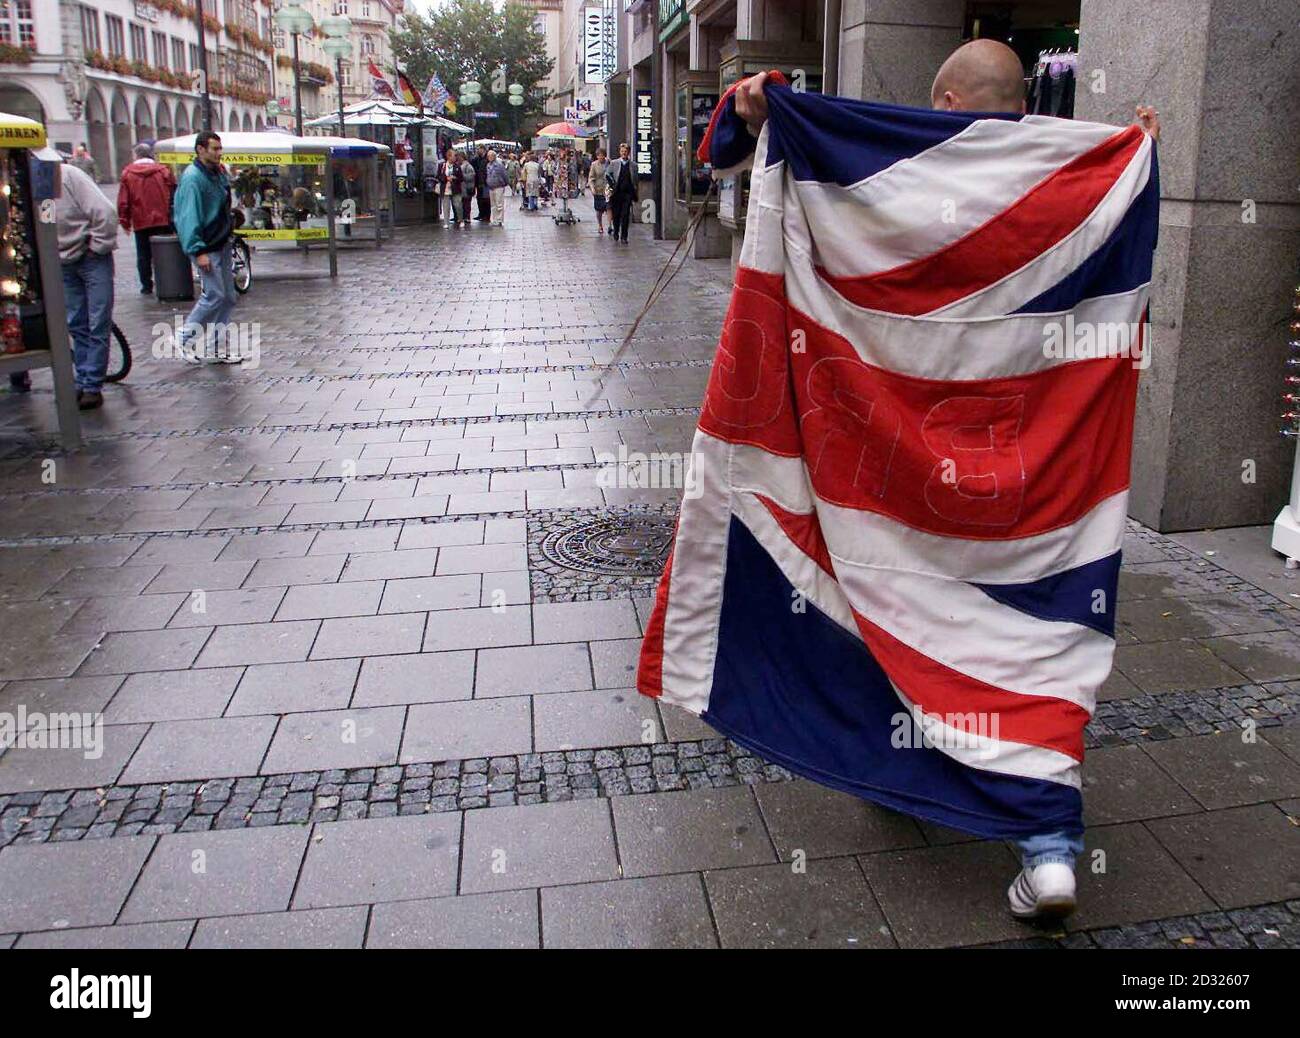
column 241, row 264
column 119, row 356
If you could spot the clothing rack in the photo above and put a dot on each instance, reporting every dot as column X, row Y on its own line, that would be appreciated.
column 1049, row 89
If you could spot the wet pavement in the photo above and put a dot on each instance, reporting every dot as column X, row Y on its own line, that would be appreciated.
column 362, row 623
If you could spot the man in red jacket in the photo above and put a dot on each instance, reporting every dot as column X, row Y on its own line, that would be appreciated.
column 144, row 205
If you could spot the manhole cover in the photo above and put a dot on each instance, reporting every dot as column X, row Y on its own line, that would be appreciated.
column 627, row 546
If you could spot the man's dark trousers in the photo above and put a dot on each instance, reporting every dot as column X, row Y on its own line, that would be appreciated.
column 144, row 256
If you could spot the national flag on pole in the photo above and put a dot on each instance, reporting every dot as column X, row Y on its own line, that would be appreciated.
column 379, row 86
column 895, row 570
column 435, row 95
column 407, row 91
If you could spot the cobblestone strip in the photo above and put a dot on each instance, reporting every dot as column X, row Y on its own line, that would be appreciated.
column 1275, row 925
column 326, row 796
column 578, row 367
column 355, row 524
column 23, row 450
column 374, row 477
column 1178, row 715
column 40, row 816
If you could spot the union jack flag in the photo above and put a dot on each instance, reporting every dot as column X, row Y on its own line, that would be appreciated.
column 896, row 574
column 379, row 86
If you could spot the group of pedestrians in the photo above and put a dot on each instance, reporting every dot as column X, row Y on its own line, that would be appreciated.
column 465, row 179
column 613, row 191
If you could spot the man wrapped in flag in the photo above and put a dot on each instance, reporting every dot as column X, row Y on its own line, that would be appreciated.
column 899, row 577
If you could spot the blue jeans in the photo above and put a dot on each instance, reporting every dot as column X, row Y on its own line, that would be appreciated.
column 1059, row 846
column 88, row 293
column 217, row 299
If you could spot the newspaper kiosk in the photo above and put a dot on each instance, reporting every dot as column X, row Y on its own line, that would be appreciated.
column 286, row 187
column 33, row 317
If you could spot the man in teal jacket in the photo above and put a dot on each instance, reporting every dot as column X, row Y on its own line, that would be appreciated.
column 201, row 213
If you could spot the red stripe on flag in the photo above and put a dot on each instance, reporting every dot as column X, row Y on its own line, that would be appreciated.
column 987, row 459
column 748, row 399
column 965, row 703
column 968, row 704
column 804, row 530
column 650, row 667
column 1049, row 212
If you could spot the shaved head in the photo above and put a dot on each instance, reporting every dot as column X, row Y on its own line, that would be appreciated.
column 980, row 76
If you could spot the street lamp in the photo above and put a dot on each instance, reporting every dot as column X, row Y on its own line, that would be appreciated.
column 296, row 22
column 337, row 28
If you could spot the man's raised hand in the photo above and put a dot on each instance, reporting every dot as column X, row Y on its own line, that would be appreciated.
column 1149, row 119
column 751, row 105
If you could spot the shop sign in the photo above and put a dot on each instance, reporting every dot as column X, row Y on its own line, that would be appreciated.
column 596, row 53
column 291, row 234
column 644, row 147
column 249, row 158
column 147, row 12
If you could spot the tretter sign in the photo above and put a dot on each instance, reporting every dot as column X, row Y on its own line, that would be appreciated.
column 644, row 153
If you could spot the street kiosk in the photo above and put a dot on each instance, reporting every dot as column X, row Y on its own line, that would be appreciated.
column 416, row 141
column 296, row 192
column 33, row 316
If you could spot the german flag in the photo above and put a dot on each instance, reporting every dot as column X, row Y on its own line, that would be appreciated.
column 406, row 90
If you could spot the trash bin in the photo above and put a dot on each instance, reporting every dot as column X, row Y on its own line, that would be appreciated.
column 172, row 278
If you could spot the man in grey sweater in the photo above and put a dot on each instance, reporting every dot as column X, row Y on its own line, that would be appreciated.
column 86, row 222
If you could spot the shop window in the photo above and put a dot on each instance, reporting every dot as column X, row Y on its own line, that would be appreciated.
column 694, row 107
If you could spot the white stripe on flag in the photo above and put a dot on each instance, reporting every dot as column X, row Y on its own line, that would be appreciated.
column 916, row 206
column 1051, row 266
column 961, row 348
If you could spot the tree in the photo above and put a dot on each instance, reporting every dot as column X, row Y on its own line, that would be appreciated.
column 463, row 40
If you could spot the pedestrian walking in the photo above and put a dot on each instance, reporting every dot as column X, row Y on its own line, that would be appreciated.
column 497, row 179
column 144, row 207
column 596, row 181
column 204, row 225
column 481, row 192
column 86, row 224
column 532, row 180
column 622, row 187
column 512, row 173
column 448, row 180
column 84, row 161
column 469, row 176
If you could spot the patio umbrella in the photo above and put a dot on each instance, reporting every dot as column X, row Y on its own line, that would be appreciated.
column 563, row 130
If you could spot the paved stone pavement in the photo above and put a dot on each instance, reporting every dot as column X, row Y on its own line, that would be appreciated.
column 359, row 688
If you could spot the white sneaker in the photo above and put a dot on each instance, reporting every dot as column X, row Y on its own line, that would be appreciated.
column 1045, row 891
